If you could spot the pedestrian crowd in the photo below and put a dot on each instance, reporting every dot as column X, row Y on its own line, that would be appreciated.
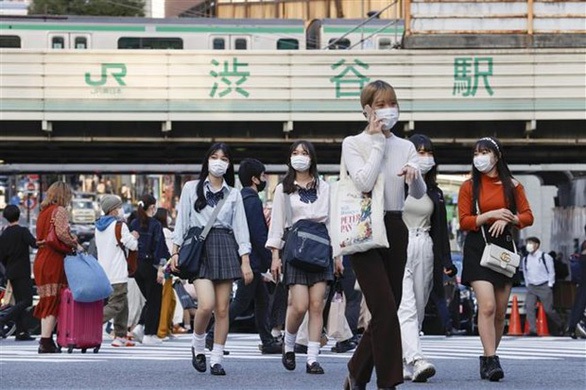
column 371, row 300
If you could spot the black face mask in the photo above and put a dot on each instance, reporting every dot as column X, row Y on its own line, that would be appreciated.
column 261, row 186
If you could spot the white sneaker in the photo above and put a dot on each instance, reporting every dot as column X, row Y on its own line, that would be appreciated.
column 422, row 370
column 138, row 333
column 407, row 375
column 151, row 340
column 122, row 342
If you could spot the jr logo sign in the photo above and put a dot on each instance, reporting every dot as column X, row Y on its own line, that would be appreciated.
column 117, row 71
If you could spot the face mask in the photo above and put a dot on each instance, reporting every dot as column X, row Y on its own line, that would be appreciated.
column 530, row 247
column 389, row 117
column 261, row 186
column 483, row 163
column 169, row 221
column 300, row 163
column 426, row 163
column 217, row 167
column 121, row 213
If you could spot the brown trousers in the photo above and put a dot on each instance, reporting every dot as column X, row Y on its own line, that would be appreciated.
column 380, row 275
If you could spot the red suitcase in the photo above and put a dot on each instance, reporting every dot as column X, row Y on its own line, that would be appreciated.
column 79, row 324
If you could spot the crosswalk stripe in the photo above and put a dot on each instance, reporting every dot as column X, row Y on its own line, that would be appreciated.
column 245, row 346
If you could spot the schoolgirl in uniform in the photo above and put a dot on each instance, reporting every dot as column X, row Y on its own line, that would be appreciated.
column 428, row 259
column 494, row 201
column 226, row 250
column 309, row 198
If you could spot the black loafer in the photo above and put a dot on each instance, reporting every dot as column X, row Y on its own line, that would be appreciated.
column 24, row 336
column 217, row 369
column 288, row 360
column 198, row 361
column 314, row 368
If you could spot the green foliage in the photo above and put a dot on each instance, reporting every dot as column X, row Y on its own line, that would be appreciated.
column 88, row 7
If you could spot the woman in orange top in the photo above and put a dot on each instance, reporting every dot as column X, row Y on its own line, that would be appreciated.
column 502, row 205
column 49, row 266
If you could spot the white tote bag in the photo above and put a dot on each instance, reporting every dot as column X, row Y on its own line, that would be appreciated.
column 356, row 218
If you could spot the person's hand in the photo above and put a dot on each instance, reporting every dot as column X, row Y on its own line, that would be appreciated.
column 375, row 125
column 80, row 248
column 497, row 228
column 276, row 269
column 338, row 266
column 135, row 234
column 173, row 262
column 160, row 275
column 451, row 270
column 246, row 273
column 409, row 172
column 40, row 243
column 502, row 214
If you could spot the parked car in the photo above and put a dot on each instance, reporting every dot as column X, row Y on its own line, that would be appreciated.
column 83, row 232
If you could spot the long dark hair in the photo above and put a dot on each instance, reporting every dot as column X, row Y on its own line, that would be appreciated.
column 289, row 179
column 423, row 143
column 200, row 202
column 161, row 216
column 146, row 201
column 504, row 173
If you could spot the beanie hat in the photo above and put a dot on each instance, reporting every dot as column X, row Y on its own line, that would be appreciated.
column 110, row 202
column 249, row 168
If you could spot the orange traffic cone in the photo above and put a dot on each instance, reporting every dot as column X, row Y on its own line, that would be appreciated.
column 515, row 319
column 542, row 328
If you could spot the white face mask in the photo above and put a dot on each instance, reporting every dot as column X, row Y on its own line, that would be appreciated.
column 389, row 117
column 426, row 163
column 217, row 167
column 483, row 163
column 121, row 214
column 530, row 247
column 300, row 163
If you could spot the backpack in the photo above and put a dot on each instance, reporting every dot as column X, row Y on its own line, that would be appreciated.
column 131, row 256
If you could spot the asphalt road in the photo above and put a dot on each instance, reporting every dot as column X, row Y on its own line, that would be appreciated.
column 529, row 363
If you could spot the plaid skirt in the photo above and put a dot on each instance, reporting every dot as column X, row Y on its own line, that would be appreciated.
column 294, row 275
column 220, row 260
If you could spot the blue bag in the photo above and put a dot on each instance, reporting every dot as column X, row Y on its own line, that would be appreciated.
column 86, row 278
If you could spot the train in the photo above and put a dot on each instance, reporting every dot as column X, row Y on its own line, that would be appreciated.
column 131, row 33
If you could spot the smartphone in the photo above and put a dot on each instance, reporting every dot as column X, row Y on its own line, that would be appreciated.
column 368, row 112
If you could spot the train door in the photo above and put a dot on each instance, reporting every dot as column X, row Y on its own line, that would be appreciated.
column 69, row 41
column 230, row 42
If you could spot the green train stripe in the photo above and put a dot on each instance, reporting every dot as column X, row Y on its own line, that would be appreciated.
column 231, row 30
column 73, row 27
column 123, row 28
column 359, row 30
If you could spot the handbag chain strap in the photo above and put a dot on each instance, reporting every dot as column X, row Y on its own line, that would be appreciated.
column 215, row 213
column 482, row 230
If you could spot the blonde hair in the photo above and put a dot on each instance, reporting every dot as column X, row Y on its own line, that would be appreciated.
column 372, row 90
column 59, row 193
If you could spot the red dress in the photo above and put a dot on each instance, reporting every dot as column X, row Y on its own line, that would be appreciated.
column 49, row 265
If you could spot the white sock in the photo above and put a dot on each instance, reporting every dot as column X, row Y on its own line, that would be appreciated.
column 290, row 341
column 217, row 354
column 312, row 351
column 198, row 342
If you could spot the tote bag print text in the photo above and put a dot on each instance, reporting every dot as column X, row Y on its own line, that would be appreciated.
column 357, row 218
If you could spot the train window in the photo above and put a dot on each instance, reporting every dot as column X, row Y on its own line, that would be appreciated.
column 287, row 44
column 10, row 41
column 219, row 44
column 240, row 44
column 150, row 43
column 80, row 42
column 385, row 44
column 338, row 44
column 58, row 43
